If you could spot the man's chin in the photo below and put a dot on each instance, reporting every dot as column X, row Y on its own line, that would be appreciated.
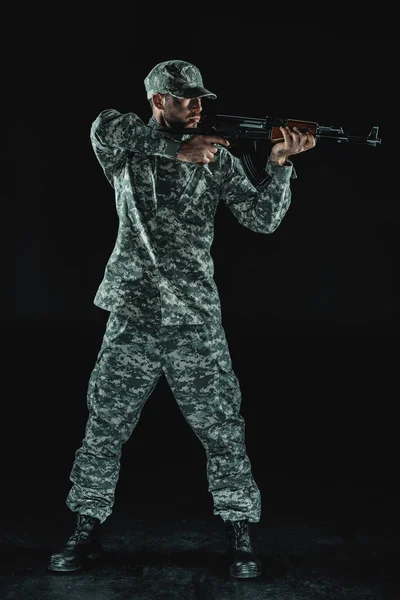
column 179, row 125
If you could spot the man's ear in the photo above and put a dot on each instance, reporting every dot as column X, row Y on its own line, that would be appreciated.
column 158, row 101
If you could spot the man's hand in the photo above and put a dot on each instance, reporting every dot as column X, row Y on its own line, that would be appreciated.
column 294, row 142
column 200, row 149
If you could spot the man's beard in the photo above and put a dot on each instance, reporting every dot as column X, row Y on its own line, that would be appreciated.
column 179, row 124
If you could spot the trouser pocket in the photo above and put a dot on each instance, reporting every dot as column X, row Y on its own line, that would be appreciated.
column 213, row 341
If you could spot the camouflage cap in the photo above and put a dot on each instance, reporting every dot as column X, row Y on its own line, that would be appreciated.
column 178, row 78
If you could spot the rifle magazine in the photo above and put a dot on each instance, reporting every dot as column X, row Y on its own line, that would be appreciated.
column 254, row 172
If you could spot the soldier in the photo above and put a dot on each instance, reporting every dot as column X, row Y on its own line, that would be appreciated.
column 165, row 313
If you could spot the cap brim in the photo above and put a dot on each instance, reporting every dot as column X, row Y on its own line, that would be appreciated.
column 192, row 92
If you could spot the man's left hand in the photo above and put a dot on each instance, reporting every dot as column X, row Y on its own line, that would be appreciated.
column 294, row 142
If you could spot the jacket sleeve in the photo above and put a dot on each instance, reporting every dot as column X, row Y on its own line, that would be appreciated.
column 112, row 134
column 260, row 209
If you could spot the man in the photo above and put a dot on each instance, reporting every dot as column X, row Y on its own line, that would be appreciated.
column 165, row 314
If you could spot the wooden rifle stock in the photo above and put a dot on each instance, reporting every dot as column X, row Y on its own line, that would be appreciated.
column 304, row 126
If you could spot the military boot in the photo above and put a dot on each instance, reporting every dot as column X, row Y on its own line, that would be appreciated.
column 82, row 545
column 245, row 563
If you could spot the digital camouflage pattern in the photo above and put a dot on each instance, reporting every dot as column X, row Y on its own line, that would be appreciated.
column 176, row 77
column 165, row 314
column 161, row 263
column 196, row 363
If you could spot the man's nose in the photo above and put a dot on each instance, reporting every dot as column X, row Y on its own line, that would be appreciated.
column 196, row 103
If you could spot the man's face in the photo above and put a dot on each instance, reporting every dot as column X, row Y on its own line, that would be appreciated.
column 181, row 112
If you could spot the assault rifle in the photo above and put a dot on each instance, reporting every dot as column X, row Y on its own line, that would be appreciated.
column 241, row 129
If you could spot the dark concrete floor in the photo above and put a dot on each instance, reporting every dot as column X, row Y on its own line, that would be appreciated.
column 315, row 542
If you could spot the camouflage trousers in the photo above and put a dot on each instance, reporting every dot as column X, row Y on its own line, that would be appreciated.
column 196, row 362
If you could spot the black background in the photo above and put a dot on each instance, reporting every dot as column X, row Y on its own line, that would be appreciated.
column 311, row 312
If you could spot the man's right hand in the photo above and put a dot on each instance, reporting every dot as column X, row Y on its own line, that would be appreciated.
column 200, row 149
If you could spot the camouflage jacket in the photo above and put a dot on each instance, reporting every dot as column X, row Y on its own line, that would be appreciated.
column 161, row 266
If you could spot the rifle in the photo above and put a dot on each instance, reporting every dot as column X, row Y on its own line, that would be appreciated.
column 239, row 129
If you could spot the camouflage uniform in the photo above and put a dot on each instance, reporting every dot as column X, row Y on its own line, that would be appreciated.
column 165, row 314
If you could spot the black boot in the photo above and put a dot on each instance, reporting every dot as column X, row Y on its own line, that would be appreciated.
column 245, row 563
column 83, row 544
